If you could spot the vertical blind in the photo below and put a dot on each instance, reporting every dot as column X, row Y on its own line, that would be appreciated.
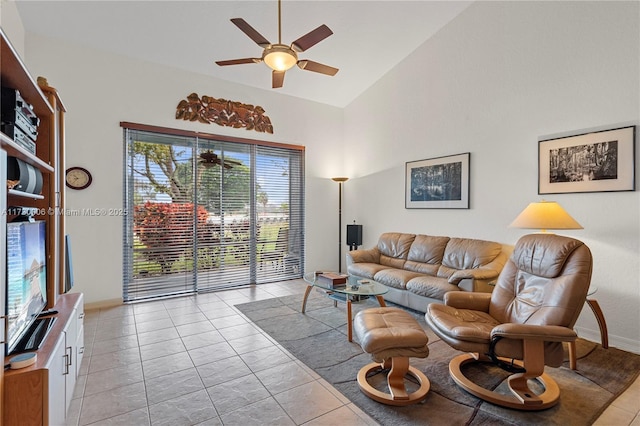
column 207, row 213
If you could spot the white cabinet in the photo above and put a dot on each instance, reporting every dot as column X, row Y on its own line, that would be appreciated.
column 62, row 372
column 56, row 378
column 65, row 365
column 79, row 346
column 74, row 349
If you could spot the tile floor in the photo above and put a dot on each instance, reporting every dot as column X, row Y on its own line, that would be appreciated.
column 198, row 361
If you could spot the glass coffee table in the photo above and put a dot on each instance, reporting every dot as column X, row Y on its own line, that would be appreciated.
column 356, row 287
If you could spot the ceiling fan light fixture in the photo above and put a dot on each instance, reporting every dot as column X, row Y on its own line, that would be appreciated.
column 279, row 57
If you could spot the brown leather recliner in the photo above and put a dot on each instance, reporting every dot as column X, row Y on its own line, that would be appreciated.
column 522, row 324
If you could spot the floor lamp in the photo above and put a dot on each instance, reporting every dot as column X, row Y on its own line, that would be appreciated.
column 340, row 181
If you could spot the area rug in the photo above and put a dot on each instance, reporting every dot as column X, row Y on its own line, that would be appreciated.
column 318, row 339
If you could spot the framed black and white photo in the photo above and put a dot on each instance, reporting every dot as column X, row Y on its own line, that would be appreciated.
column 438, row 183
column 600, row 161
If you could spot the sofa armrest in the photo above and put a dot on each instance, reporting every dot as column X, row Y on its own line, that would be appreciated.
column 487, row 272
column 483, row 273
column 371, row 255
column 482, row 286
column 468, row 300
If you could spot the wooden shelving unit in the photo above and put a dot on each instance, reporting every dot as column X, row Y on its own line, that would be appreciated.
column 49, row 159
column 45, row 392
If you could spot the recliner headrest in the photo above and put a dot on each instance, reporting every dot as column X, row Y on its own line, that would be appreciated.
column 543, row 255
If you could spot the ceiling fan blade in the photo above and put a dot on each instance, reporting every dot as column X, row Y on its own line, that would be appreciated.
column 308, row 65
column 251, row 32
column 278, row 79
column 312, row 38
column 239, row 61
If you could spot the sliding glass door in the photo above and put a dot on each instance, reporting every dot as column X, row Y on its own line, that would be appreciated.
column 206, row 214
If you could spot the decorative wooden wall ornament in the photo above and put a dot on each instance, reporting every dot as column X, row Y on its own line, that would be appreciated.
column 223, row 113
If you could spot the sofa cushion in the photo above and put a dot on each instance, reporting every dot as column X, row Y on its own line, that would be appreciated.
column 425, row 254
column 365, row 270
column 466, row 253
column 445, row 272
column 428, row 286
column 396, row 278
column 428, row 249
column 423, row 268
column 394, row 248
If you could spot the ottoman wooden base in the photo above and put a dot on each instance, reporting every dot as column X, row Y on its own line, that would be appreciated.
column 392, row 336
column 397, row 391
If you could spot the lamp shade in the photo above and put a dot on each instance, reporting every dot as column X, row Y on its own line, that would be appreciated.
column 545, row 215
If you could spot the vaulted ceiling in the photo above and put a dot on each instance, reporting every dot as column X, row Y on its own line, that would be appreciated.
column 370, row 37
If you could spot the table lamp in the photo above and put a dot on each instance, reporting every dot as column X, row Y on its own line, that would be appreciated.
column 545, row 215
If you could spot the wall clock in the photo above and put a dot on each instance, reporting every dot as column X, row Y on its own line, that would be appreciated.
column 78, row 178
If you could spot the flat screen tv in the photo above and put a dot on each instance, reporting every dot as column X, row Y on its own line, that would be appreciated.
column 26, row 294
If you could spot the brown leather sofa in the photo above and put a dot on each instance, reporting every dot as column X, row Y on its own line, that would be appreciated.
column 420, row 269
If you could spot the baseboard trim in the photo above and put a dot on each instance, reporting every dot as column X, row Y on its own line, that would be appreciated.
column 109, row 303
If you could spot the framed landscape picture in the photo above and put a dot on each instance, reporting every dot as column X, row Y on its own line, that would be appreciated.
column 600, row 161
column 438, row 183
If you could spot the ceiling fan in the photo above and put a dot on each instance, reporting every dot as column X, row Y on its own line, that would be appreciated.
column 280, row 57
column 209, row 159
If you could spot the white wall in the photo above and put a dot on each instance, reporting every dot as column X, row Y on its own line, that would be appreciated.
column 100, row 90
column 12, row 25
column 493, row 82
